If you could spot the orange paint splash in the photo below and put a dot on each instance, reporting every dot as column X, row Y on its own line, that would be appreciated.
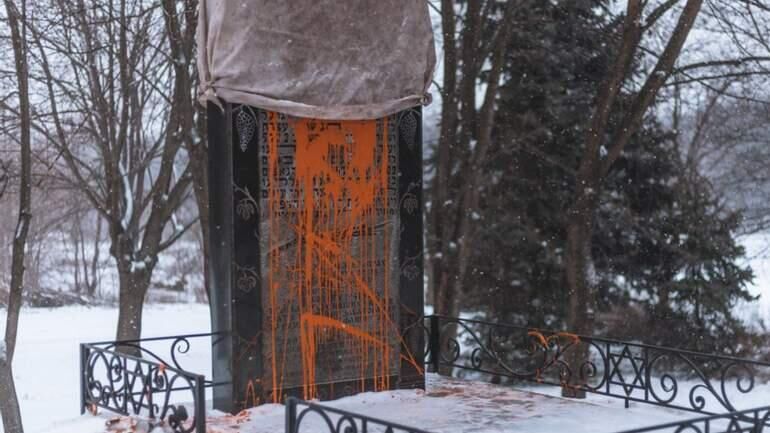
column 330, row 254
column 554, row 339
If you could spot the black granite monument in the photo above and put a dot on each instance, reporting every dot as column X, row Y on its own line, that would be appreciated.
column 316, row 255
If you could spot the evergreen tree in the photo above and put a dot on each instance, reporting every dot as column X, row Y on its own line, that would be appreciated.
column 673, row 246
column 555, row 62
column 662, row 246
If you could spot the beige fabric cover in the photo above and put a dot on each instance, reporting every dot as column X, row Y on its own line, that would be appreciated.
column 326, row 59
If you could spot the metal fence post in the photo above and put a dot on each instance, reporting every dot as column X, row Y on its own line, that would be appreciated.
column 434, row 343
column 291, row 415
column 83, row 373
column 200, row 404
column 148, row 391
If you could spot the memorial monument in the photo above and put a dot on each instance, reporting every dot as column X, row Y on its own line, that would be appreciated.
column 315, row 172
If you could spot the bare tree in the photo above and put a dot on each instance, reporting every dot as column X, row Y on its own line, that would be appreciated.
column 181, row 27
column 9, row 404
column 4, row 176
column 723, row 137
column 600, row 154
column 117, row 118
column 722, row 108
column 465, row 136
column 85, row 264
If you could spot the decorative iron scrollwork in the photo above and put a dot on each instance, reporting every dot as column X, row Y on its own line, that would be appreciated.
column 335, row 420
column 635, row 372
column 746, row 421
column 145, row 384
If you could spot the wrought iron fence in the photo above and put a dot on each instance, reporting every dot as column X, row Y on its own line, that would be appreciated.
column 745, row 421
column 127, row 378
column 643, row 373
column 339, row 421
column 336, row 420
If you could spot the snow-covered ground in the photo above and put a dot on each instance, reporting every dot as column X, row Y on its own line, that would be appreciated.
column 176, row 278
column 46, row 360
column 46, row 370
column 458, row 406
column 758, row 257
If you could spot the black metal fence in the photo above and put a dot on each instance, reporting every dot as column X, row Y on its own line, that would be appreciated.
column 673, row 378
column 745, row 421
column 320, row 418
column 127, row 378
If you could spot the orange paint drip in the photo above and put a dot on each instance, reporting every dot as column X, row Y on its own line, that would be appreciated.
column 251, row 399
column 539, row 337
column 330, row 254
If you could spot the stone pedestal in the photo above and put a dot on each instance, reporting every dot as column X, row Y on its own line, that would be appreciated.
column 316, row 243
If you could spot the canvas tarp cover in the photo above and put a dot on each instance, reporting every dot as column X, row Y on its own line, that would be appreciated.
column 325, row 59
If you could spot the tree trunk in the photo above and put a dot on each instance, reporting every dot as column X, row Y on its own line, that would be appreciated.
column 133, row 288
column 580, row 284
column 439, row 211
column 9, row 407
column 9, row 404
column 594, row 168
column 444, row 297
column 93, row 281
column 199, row 163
